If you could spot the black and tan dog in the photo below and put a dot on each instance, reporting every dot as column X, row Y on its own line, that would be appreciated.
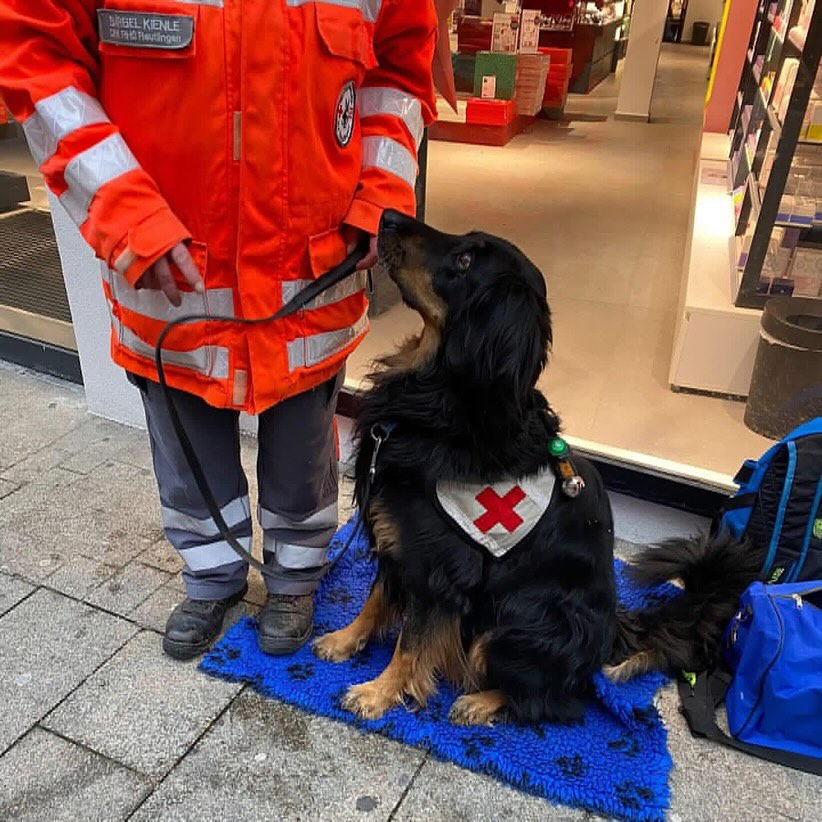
column 521, row 624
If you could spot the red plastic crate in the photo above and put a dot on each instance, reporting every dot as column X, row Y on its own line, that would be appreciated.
column 490, row 112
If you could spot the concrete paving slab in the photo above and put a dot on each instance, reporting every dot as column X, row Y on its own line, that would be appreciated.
column 23, row 550
column 80, row 576
column 111, row 515
column 98, row 440
column 84, row 448
column 48, row 645
column 128, row 588
column 12, row 590
column 46, row 777
column 162, row 556
column 154, row 612
column 709, row 781
column 447, row 793
column 56, row 406
column 7, row 487
column 142, row 708
column 266, row 760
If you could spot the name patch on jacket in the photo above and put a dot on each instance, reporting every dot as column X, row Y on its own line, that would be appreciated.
column 145, row 30
column 501, row 515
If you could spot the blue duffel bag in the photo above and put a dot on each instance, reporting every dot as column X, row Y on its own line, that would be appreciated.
column 773, row 685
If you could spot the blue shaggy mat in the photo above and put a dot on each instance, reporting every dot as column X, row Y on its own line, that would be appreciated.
column 616, row 762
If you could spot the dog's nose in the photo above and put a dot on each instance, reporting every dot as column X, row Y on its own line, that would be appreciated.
column 393, row 221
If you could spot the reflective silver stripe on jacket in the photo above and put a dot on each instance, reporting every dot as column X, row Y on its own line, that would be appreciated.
column 56, row 117
column 325, row 518
column 305, row 352
column 370, row 9
column 90, row 170
column 348, row 286
column 391, row 156
column 208, row 360
column 235, row 512
column 155, row 304
column 216, row 3
column 392, row 101
column 212, row 554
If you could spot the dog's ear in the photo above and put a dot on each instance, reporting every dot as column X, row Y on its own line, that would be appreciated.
column 497, row 342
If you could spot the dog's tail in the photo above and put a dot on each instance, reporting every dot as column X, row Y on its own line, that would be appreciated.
column 685, row 633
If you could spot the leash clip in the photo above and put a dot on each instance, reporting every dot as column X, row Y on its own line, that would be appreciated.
column 379, row 434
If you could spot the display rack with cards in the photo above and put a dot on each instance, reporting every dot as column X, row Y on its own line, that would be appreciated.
column 775, row 165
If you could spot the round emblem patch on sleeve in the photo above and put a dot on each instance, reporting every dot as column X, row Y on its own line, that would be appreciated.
column 344, row 120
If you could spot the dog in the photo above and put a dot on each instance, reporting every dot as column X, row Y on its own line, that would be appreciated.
column 520, row 631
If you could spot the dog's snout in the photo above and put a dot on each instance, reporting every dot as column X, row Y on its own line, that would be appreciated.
column 392, row 220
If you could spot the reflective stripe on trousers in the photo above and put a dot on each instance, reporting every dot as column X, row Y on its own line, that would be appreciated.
column 297, row 472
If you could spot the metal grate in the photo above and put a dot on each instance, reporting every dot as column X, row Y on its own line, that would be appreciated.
column 31, row 277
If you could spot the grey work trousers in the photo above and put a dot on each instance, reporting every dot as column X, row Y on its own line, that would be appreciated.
column 296, row 477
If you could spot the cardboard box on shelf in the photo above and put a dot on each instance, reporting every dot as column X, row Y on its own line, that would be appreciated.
column 529, row 32
column 501, row 66
column 532, row 74
column 504, row 33
column 490, row 112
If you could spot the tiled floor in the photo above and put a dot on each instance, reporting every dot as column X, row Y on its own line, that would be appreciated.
column 602, row 207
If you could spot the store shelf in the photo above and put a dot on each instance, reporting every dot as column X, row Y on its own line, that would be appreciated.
column 775, row 161
column 715, row 342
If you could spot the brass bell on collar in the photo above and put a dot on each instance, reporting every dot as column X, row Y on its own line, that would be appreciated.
column 573, row 486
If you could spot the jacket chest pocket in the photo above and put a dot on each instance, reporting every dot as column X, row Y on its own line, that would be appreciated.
column 148, row 29
column 345, row 35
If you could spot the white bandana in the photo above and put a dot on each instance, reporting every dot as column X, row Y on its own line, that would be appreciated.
column 501, row 515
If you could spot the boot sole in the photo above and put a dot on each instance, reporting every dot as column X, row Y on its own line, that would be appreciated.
column 184, row 651
column 280, row 646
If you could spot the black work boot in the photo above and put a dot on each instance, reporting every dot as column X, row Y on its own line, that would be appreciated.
column 285, row 623
column 195, row 623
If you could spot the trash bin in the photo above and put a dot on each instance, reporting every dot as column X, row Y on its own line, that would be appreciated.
column 699, row 37
column 786, row 386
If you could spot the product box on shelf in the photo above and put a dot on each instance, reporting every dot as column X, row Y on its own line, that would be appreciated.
column 504, row 32
column 473, row 35
column 501, row 66
column 490, row 112
column 532, row 74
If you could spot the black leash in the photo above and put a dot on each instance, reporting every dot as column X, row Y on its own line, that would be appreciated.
column 327, row 280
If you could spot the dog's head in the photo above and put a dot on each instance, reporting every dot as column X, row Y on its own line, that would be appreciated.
column 483, row 303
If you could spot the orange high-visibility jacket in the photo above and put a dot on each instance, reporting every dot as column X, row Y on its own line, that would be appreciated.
column 253, row 128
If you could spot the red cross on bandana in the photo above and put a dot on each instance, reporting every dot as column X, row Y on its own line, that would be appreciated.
column 500, row 510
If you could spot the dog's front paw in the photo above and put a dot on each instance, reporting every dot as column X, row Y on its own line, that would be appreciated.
column 370, row 700
column 338, row 646
column 483, row 708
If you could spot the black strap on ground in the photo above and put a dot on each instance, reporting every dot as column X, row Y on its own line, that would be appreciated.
column 327, row 280
column 699, row 703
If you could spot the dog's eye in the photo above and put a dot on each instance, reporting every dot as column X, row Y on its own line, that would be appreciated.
column 464, row 261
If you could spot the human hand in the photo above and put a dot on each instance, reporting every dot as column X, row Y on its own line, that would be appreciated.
column 159, row 277
column 371, row 257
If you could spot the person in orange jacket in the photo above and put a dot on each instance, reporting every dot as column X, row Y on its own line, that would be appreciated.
column 218, row 155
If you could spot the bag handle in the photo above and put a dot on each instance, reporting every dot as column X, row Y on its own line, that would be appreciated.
column 699, row 703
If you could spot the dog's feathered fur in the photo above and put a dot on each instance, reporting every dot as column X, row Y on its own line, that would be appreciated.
column 685, row 633
column 528, row 630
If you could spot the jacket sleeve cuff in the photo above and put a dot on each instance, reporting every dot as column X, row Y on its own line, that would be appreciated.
column 365, row 216
column 146, row 242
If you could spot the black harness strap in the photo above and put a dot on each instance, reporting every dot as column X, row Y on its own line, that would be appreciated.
column 335, row 275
